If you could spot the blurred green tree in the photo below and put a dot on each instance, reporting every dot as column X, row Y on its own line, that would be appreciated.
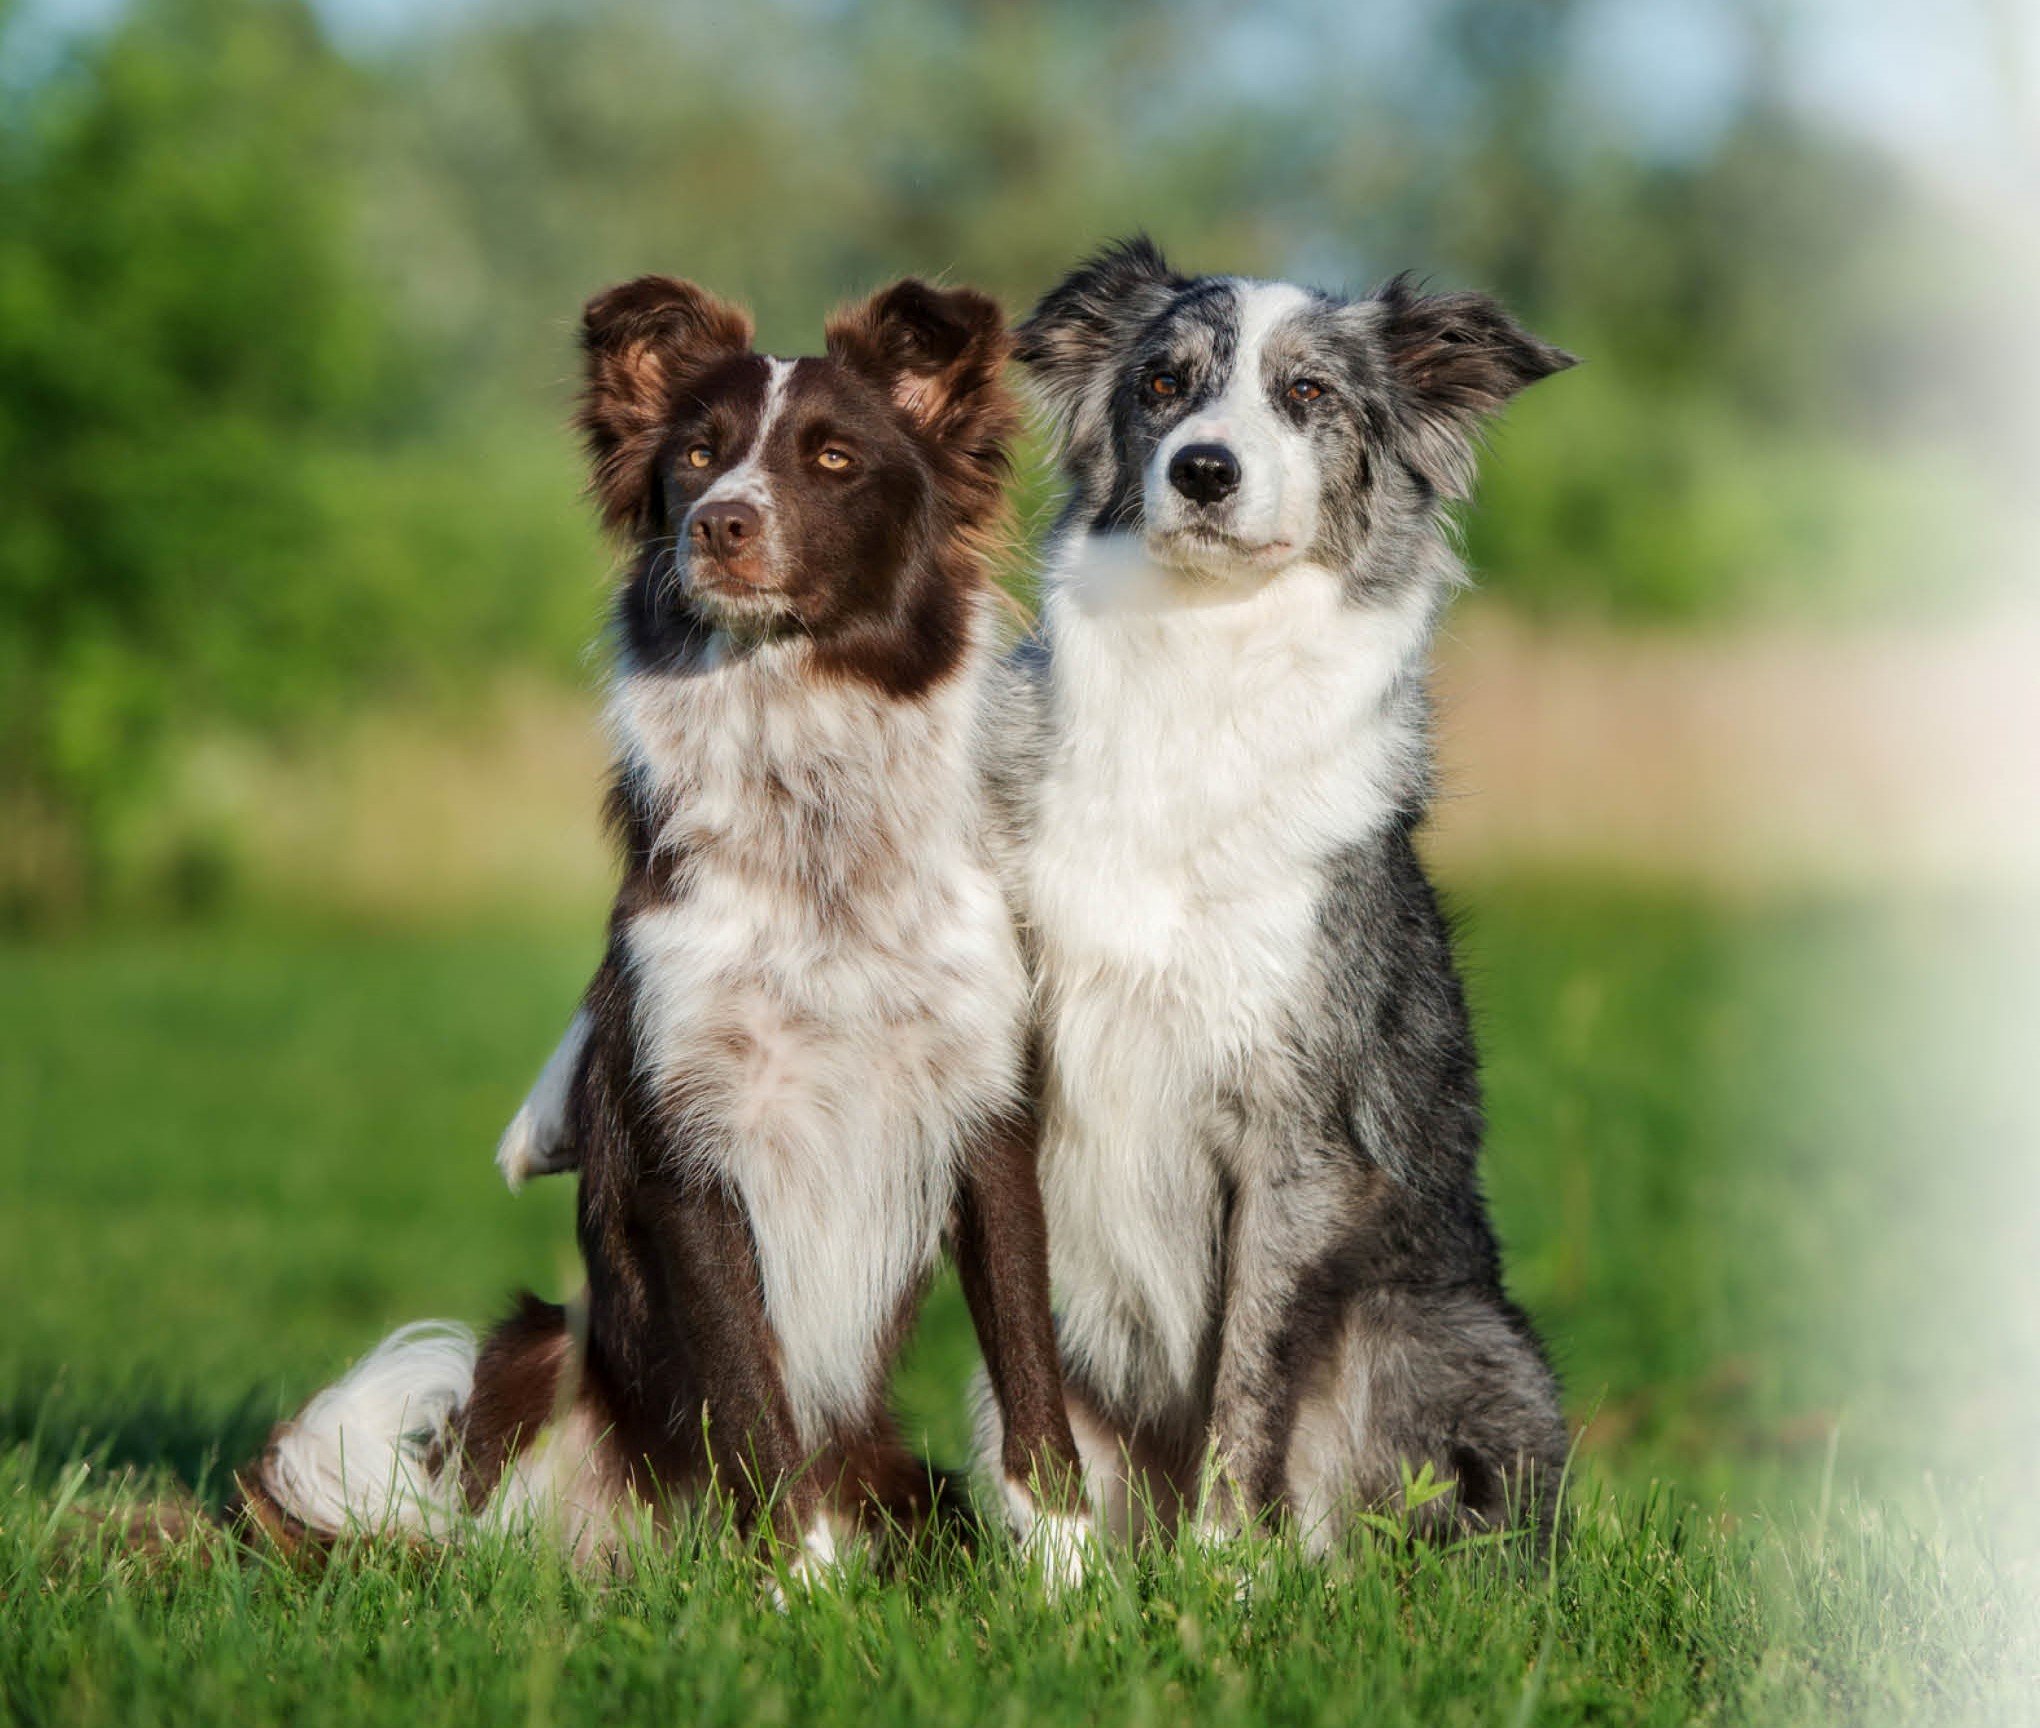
column 285, row 332
column 184, row 330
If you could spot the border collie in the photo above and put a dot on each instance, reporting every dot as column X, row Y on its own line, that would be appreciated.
column 1278, row 1287
column 801, row 1063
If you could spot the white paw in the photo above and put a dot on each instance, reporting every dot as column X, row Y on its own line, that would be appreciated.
column 535, row 1142
column 814, row 1565
column 1061, row 1544
column 530, row 1147
column 515, row 1153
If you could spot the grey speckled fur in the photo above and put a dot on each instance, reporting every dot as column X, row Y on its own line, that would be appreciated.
column 1277, row 1283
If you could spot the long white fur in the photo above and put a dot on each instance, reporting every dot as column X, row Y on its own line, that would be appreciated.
column 831, row 1005
column 376, row 1453
column 1213, row 746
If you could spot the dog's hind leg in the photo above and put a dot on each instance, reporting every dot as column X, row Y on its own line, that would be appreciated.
column 1452, row 1380
column 538, row 1445
column 882, row 1497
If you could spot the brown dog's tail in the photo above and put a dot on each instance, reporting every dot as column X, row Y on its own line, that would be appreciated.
column 374, row 1453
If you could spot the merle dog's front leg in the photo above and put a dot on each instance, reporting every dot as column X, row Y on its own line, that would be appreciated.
column 1001, row 1248
column 1281, row 1310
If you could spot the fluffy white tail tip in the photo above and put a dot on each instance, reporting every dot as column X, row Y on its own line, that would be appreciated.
column 358, row 1457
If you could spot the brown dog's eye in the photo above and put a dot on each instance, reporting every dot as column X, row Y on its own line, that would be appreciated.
column 699, row 456
column 1164, row 384
column 834, row 460
column 1305, row 390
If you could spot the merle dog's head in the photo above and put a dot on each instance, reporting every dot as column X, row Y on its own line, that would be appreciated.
column 842, row 499
column 1240, row 426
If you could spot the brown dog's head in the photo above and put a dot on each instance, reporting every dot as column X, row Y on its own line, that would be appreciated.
column 844, row 498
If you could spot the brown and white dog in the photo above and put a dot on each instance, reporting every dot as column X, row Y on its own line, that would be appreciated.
column 801, row 1064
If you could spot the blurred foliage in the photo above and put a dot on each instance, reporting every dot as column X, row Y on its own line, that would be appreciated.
column 181, row 341
column 284, row 330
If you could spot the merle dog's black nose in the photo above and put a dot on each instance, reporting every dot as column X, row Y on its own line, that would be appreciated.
column 726, row 527
column 1205, row 473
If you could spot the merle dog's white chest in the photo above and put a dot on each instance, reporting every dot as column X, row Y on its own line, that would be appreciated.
column 1204, row 762
column 834, row 995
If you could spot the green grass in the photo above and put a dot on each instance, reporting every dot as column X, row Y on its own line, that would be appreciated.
column 1774, row 1258
column 1655, row 1616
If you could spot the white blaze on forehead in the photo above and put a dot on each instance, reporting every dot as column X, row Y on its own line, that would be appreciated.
column 746, row 481
column 1278, row 494
column 1263, row 308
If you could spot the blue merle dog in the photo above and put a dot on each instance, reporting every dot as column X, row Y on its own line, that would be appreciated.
column 1278, row 1288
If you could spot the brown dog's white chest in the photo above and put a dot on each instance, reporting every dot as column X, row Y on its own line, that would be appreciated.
column 833, row 995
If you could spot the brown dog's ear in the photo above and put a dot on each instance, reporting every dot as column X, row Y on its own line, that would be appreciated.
column 638, row 341
column 1458, row 359
column 938, row 352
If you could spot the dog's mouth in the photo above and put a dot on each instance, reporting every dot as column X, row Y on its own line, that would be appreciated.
column 742, row 600
column 1201, row 548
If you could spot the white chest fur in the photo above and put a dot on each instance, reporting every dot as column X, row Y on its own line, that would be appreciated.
column 836, row 993
column 1208, row 755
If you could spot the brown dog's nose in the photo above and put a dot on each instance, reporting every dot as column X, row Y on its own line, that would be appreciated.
column 726, row 528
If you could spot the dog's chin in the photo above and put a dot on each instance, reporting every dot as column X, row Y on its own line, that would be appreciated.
column 742, row 610
column 1214, row 556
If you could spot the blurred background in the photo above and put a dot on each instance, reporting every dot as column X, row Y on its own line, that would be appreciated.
column 299, row 866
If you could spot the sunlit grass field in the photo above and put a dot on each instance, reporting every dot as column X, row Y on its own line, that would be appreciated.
column 231, row 1156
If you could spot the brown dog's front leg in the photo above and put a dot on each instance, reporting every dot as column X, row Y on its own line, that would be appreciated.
column 1001, row 1245
column 715, row 1302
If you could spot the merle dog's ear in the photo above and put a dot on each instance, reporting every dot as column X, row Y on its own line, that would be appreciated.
column 638, row 342
column 939, row 353
column 1073, row 341
column 1457, row 359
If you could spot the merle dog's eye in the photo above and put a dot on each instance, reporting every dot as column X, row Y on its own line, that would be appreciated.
column 1163, row 384
column 699, row 455
column 1305, row 390
column 833, row 459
